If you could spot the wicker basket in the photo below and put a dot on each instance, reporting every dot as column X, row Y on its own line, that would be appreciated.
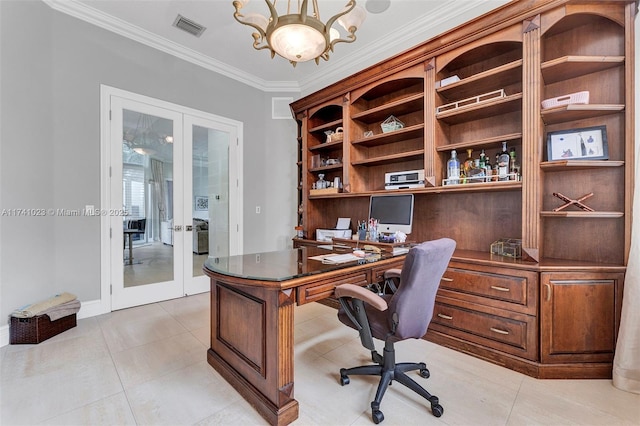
column 572, row 98
column 37, row 329
column 337, row 136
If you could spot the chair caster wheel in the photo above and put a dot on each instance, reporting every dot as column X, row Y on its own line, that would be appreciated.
column 424, row 373
column 344, row 380
column 377, row 416
column 437, row 410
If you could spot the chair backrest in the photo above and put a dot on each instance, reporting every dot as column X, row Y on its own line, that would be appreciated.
column 412, row 305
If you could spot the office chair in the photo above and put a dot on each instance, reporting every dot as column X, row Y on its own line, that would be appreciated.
column 406, row 314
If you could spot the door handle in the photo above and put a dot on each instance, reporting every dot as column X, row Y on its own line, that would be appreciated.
column 188, row 228
column 177, row 228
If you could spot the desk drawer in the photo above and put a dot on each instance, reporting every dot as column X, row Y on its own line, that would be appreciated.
column 505, row 331
column 498, row 287
column 322, row 289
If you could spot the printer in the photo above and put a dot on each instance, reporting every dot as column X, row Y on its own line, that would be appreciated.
column 340, row 231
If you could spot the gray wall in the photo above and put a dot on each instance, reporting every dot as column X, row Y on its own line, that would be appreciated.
column 50, row 145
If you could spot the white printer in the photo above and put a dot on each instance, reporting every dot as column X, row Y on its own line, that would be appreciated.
column 404, row 179
column 340, row 231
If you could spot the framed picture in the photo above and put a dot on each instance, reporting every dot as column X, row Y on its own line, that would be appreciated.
column 202, row 203
column 587, row 143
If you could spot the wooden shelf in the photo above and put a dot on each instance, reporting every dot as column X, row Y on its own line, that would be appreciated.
column 400, row 107
column 386, row 159
column 568, row 67
column 561, row 165
column 477, row 111
column 326, row 146
column 410, row 132
column 326, row 168
column 327, row 126
column 480, row 143
column 483, row 82
column 582, row 214
column 578, row 112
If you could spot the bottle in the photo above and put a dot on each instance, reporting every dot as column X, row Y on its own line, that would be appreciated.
column 503, row 163
column 514, row 167
column 488, row 170
column 482, row 164
column 453, row 169
column 468, row 163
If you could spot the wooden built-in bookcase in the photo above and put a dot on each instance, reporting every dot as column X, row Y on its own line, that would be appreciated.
column 555, row 311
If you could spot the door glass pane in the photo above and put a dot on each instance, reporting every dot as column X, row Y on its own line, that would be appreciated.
column 210, row 195
column 147, row 192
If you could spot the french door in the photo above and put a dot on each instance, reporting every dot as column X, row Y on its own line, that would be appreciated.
column 173, row 195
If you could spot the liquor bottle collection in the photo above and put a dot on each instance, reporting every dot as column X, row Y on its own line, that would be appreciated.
column 480, row 169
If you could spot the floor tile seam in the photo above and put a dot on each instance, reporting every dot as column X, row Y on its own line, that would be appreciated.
column 113, row 351
column 515, row 400
column 80, row 407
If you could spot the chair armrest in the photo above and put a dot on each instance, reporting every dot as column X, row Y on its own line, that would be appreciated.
column 361, row 293
column 392, row 273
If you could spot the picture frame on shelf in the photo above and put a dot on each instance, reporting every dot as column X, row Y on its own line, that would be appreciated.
column 586, row 143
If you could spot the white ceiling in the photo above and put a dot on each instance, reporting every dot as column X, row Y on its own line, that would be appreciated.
column 226, row 46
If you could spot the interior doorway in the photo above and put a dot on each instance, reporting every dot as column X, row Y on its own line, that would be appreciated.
column 171, row 181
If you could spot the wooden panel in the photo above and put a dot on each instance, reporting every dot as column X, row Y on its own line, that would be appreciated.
column 249, row 342
column 580, row 313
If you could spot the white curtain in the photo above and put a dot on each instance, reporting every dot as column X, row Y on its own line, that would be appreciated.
column 157, row 173
column 626, row 364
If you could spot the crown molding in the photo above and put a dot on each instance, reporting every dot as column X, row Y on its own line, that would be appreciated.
column 417, row 30
column 133, row 32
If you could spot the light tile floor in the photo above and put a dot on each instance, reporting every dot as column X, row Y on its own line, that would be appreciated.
column 147, row 366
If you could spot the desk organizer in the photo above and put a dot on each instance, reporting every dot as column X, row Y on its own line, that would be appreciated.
column 37, row 329
column 507, row 247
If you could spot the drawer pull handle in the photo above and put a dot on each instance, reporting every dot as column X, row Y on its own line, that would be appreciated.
column 497, row 330
column 495, row 287
column 548, row 287
column 449, row 280
column 447, row 317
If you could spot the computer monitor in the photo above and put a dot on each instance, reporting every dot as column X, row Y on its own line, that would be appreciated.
column 394, row 212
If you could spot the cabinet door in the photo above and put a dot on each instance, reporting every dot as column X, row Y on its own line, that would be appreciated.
column 580, row 314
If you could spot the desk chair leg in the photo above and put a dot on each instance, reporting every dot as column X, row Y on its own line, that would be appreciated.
column 389, row 371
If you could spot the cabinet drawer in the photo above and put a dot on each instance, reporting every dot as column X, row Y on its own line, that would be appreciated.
column 498, row 287
column 323, row 289
column 506, row 331
column 378, row 273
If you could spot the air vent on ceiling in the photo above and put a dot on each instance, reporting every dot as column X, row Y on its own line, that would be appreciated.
column 186, row 24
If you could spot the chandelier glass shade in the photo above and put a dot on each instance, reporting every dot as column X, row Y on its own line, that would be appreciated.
column 300, row 36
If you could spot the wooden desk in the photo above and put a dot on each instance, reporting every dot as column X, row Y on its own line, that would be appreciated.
column 252, row 303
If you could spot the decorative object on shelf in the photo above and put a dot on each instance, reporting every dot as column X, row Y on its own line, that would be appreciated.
column 571, row 202
column 336, row 136
column 333, row 161
column 391, row 124
column 572, row 98
column 453, row 170
column 486, row 97
column 300, row 36
column 587, row 143
column 509, row 247
column 368, row 134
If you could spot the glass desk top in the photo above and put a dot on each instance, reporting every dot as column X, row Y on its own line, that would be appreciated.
column 280, row 265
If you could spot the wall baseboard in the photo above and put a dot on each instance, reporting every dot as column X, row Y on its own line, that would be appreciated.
column 88, row 309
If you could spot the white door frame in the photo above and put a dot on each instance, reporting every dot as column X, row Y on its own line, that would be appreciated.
column 235, row 179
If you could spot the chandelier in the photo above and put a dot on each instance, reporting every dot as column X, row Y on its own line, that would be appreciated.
column 300, row 35
column 144, row 139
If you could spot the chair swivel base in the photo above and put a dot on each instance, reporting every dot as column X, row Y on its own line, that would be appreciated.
column 389, row 371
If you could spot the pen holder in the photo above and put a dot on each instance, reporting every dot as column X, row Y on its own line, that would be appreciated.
column 362, row 234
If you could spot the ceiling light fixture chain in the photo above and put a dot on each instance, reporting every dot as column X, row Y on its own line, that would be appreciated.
column 300, row 36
